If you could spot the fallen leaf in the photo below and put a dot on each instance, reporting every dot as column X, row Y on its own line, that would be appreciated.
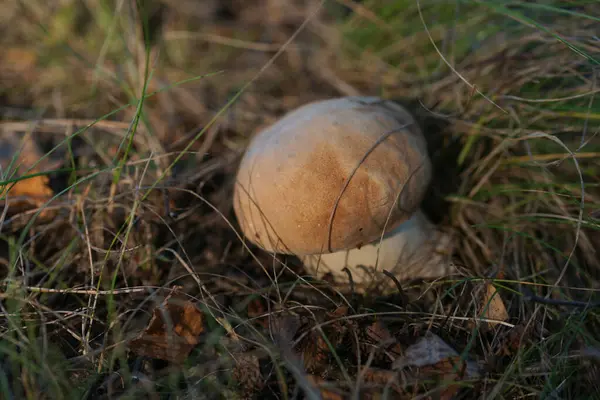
column 321, row 385
column 29, row 192
column 509, row 342
column 434, row 358
column 247, row 373
column 430, row 350
column 492, row 307
column 372, row 386
column 35, row 189
column 449, row 369
column 257, row 311
column 381, row 336
column 316, row 352
column 18, row 61
column 382, row 378
column 339, row 312
column 173, row 330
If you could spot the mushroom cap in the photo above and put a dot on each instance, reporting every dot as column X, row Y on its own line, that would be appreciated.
column 331, row 175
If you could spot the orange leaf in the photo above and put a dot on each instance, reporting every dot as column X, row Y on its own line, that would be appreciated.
column 326, row 393
column 36, row 188
column 29, row 192
column 18, row 61
column 380, row 334
column 172, row 332
column 492, row 306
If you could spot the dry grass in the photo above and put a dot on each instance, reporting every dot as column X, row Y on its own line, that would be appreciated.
column 506, row 92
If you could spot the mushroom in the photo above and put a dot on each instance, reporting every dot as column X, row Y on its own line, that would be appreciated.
column 339, row 183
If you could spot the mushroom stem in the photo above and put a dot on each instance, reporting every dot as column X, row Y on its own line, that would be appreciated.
column 415, row 249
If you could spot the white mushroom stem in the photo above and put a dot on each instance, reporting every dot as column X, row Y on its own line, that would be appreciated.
column 415, row 249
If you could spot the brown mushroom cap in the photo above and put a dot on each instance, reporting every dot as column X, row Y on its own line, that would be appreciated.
column 361, row 158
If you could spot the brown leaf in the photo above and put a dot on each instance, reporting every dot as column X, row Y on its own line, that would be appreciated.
column 381, row 336
column 247, row 373
column 326, row 393
column 18, row 61
column 371, row 387
column 29, row 192
column 257, row 311
column 339, row 312
column 449, row 369
column 382, row 377
column 172, row 332
column 34, row 189
column 433, row 359
column 430, row 350
column 492, row 306
column 316, row 353
column 316, row 350
column 510, row 341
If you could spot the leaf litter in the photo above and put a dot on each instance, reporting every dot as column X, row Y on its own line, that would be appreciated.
column 173, row 330
column 314, row 347
column 492, row 306
column 285, row 343
column 19, row 156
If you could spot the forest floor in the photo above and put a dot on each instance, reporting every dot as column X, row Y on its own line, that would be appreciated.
column 123, row 273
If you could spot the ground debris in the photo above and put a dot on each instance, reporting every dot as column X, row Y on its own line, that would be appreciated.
column 492, row 306
column 430, row 350
column 20, row 156
column 514, row 153
column 246, row 373
column 327, row 390
column 317, row 350
column 383, row 340
column 173, row 330
column 18, row 61
column 432, row 358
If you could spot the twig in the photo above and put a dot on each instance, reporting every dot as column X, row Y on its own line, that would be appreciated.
column 135, row 289
column 554, row 302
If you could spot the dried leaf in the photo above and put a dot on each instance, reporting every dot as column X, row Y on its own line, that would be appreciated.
column 247, row 373
column 326, row 393
column 509, row 342
column 430, row 350
column 317, row 351
column 382, row 337
column 26, row 193
column 382, row 377
column 436, row 359
column 257, row 311
column 18, row 61
column 492, row 306
column 172, row 332
column 34, row 189
column 339, row 312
